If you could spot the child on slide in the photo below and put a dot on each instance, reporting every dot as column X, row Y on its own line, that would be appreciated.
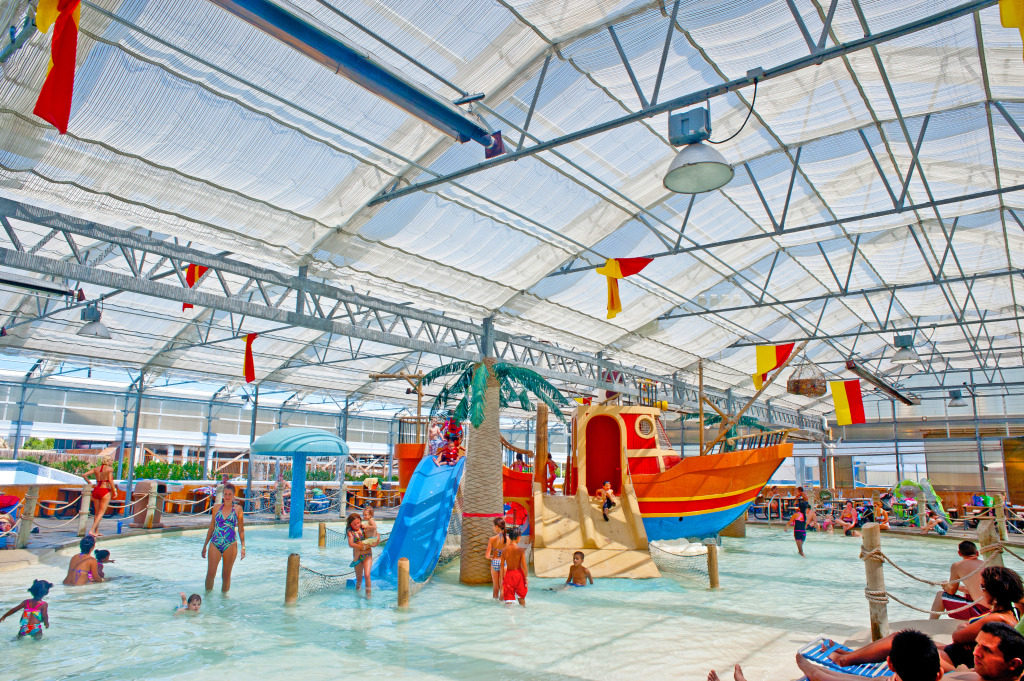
column 35, row 614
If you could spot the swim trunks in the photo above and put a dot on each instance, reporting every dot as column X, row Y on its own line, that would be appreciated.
column 954, row 601
column 514, row 585
column 799, row 535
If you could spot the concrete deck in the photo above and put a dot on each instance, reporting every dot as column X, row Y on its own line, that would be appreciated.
column 57, row 533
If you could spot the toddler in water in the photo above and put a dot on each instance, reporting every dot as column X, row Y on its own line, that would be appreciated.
column 35, row 615
column 371, row 537
column 190, row 604
column 102, row 558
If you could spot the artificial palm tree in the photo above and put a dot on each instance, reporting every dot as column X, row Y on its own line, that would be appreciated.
column 481, row 389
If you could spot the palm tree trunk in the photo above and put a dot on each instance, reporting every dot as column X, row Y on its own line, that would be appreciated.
column 482, row 490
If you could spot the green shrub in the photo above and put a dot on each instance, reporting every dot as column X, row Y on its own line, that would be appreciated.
column 161, row 470
column 36, row 443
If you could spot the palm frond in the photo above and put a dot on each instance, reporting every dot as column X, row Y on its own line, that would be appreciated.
column 461, row 409
column 478, row 395
column 532, row 382
column 445, row 370
column 450, row 392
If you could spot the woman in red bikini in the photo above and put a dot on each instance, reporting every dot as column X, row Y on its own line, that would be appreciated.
column 102, row 491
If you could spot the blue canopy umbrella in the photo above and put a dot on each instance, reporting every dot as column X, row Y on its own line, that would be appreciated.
column 300, row 443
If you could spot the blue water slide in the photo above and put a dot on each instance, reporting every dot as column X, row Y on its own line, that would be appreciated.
column 422, row 523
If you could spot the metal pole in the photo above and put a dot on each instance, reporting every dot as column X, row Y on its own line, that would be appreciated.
column 209, row 436
column 252, row 438
column 391, row 447
column 977, row 439
column 896, row 443
column 344, row 421
column 124, row 428
column 21, row 411
column 135, row 442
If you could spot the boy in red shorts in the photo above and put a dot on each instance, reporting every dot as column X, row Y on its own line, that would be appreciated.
column 513, row 569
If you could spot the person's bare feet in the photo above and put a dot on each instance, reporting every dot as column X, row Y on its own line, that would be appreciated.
column 737, row 674
column 713, row 676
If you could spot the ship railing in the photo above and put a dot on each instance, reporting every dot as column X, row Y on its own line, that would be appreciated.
column 757, row 440
column 509, row 452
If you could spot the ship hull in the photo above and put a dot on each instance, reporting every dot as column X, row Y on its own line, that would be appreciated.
column 700, row 496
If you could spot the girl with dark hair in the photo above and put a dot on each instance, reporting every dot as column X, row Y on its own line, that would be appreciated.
column 495, row 545
column 227, row 530
column 362, row 555
column 35, row 615
column 83, row 568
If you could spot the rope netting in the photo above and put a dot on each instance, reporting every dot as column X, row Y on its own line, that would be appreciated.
column 680, row 558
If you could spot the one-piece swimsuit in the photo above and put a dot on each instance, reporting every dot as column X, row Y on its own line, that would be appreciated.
column 224, row 532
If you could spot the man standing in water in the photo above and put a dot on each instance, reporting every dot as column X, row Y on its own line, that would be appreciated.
column 964, row 576
column 513, row 569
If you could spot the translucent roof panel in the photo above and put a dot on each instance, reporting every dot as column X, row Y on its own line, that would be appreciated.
column 878, row 189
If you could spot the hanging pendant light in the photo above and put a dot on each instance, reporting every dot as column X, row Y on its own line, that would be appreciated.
column 697, row 168
column 956, row 399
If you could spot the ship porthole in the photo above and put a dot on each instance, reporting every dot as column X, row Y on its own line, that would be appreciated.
column 644, row 427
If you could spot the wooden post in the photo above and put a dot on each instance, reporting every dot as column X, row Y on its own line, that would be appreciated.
column 342, row 500
column 713, row 565
column 322, row 536
column 540, row 448
column 871, row 540
column 922, row 507
column 700, row 405
column 403, row 582
column 28, row 514
column 278, row 502
column 1000, row 509
column 988, row 536
column 150, row 507
column 220, row 495
column 83, row 510
column 291, row 580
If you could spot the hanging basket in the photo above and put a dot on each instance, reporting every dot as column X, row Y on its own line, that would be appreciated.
column 806, row 380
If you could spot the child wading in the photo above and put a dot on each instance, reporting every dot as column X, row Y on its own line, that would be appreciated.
column 578, row 575
column 35, row 614
column 513, row 565
column 495, row 547
column 799, row 523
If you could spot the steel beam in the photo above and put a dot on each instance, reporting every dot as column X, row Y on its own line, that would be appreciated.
column 701, row 95
column 360, row 317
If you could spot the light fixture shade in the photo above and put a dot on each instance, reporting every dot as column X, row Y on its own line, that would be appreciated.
column 904, row 350
column 956, row 399
column 94, row 329
column 698, row 168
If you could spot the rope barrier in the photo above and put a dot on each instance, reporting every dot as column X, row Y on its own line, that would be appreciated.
column 54, row 509
column 42, row 526
column 878, row 554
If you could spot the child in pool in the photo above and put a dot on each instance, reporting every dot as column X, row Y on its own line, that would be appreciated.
column 190, row 604
column 578, row 575
column 35, row 615
column 371, row 537
column 102, row 558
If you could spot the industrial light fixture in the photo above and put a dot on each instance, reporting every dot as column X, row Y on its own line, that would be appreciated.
column 904, row 351
column 93, row 327
column 697, row 168
column 956, row 399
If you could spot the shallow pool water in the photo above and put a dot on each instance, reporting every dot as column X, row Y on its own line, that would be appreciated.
column 771, row 602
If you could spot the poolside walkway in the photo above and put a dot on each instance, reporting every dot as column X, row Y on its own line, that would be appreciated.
column 55, row 533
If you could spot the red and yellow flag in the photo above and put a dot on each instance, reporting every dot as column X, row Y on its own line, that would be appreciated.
column 770, row 358
column 615, row 269
column 54, row 102
column 847, row 399
column 193, row 273
column 250, row 368
column 1011, row 14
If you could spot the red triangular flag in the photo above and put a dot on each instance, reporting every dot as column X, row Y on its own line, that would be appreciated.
column 250, row 369
column 193, row 273
column 54, row 102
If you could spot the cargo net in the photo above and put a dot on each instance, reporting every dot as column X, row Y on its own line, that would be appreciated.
column 313, row 581
column 680, row 558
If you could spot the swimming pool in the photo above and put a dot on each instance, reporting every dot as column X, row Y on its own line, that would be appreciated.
column 771, row 601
